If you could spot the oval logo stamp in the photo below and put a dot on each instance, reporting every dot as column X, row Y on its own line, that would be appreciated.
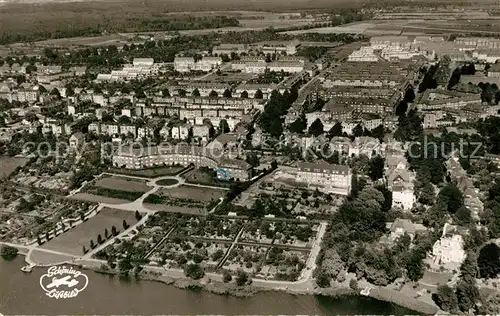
column 63, row 282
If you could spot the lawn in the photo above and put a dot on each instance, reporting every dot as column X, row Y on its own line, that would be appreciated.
column 150, row 172
column 115, row 194
column 193, row 193
column 123, row 184
column 87, row 197
column 73, row 240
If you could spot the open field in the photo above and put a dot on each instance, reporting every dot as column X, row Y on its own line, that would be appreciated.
column 123, row 184
column 87, row 197
column 149, row 173
column 9, row 164
column 410, row 27
column 193, row 193
column 73, row 240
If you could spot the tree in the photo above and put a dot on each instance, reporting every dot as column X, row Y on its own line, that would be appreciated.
column 92, row 245
column 427, row 194
column 138, row 216
column 99, row 239
column 467, row 295
column 196, row 92
column 194, row 271
column 336, row 130
column 213, row 94
column 323, row 279
column 415, row 265
column 165, row 92
column 253, row 159
column 84, row 249
column 357, row 131
column 38, row 240
column 55, row 92
column 298, row 125
column 446, row 298
column 488, row 261
column 463, row 216
column 376, row 168
column 124, row 265
column 224, row 126
column 82, row 217
column 8, row 252
column 276, row 128
column 113, row 231
column 469, row 269
column 316, row 128
column 70, row 92
column 227, row 94
column 106, row 233
column 258, row 94
column 182, row 93
column 124, row 224
column 244, row 95
column 217, row 255
column 451, row 197
column 226, row 276
column 241, row 278
column 47, row 236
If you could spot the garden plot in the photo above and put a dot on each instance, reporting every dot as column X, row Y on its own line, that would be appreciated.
column 176, row 252
column 295, row 234
column 208, row 228
column 281, row 264
column 259, row 231
column 247, row 258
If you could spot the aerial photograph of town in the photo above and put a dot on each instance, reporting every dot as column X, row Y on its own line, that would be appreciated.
column 249, row 157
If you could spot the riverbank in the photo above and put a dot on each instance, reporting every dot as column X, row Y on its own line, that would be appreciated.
column 212, row 283
column 398, row 298
column 231, row 289
column 21, row 294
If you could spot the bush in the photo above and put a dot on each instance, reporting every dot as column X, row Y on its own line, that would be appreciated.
column 8, row 252
column 241, row 278
column 226, row 276
column 194, row 271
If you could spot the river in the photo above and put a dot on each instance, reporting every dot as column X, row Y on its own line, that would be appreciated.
column 20, row 293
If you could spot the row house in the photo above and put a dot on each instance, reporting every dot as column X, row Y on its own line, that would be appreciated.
column 187, row 64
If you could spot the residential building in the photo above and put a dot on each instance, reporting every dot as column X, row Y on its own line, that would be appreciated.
column 76, row 140
column 449, row 250
column 328, row 178
column 180, row 132
column 400, row 227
